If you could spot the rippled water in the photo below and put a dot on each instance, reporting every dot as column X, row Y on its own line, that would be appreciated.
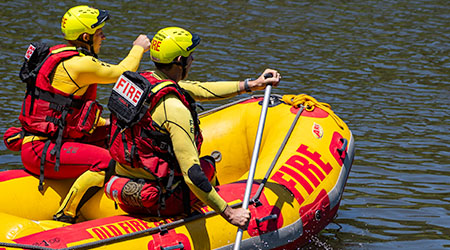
column 382, row 65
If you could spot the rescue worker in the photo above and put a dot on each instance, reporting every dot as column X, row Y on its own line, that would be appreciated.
column 158, row 170
column 64, row 133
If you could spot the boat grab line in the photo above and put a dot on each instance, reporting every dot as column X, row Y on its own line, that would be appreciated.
column 152, row 230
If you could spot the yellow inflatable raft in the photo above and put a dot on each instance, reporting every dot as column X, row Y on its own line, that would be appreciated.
column 305, row 158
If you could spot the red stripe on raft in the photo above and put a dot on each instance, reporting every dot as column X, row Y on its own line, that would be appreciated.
column 13, row 174
column 252, row 100
column 235, row 191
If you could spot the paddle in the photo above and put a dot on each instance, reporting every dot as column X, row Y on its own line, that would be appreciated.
column 251, row 173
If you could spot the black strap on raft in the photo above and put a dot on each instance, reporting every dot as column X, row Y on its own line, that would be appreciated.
column 255, row 199
column 41, row 174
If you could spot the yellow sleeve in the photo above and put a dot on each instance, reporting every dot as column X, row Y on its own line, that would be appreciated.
column 210, row 91
column 171, row 114
column 86, row 70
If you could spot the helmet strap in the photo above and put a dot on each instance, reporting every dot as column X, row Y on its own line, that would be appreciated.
column 86, row 46
column 86, row 51
column 184, row 65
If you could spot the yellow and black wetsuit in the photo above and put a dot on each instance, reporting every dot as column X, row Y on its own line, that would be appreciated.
column 173, row 116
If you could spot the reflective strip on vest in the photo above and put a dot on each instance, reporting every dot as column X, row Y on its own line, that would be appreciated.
column 63, row 49
column 161, row 85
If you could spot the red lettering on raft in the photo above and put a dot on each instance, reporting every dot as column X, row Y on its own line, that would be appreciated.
column 300, row 170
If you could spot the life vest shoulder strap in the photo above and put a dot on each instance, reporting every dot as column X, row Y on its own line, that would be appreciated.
column 161, row 88
column 57, row 54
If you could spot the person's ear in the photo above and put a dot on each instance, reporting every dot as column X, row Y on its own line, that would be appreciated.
column 85, row 37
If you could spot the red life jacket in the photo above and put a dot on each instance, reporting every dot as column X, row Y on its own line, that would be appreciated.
column 142, row 144
column 47, row 110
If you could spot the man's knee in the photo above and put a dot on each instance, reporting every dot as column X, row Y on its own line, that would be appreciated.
column 131, row 192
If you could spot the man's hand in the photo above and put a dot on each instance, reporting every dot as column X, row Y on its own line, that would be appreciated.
column 237, row 216
column 262, row 82
column 143, row 41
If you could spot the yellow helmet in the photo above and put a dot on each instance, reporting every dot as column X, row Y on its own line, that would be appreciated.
column 82, row 19
column 172, row 42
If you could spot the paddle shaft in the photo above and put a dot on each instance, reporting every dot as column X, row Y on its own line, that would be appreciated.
column 251, row 173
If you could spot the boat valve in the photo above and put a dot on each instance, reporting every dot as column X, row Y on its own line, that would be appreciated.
column 269, row 217
column 216, row 155
column 318, row 215
column 179, row 246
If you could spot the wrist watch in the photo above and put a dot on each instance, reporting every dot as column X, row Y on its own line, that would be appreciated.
column 246, row 87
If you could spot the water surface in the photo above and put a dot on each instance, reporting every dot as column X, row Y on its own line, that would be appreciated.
column 382, row 65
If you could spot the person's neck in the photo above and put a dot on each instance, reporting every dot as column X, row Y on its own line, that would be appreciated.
column 84, row 46
column 79, row 44
column 173, row 74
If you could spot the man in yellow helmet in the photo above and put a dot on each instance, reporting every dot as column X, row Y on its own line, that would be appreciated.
column 64, row 133
column 157, row 155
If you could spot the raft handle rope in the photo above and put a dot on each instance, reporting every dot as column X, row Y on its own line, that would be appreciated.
column 310, row 103
column 149, row 231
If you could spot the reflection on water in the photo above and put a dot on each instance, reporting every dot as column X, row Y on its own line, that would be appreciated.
column 382, row 65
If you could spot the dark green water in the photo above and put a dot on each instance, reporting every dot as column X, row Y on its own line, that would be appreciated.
column 382, row 65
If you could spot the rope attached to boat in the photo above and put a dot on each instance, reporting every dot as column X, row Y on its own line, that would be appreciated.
column 310, row 103
column 123, row 237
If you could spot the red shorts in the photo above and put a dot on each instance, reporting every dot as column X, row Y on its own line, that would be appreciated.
column 149, row 195
column 76, row 157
